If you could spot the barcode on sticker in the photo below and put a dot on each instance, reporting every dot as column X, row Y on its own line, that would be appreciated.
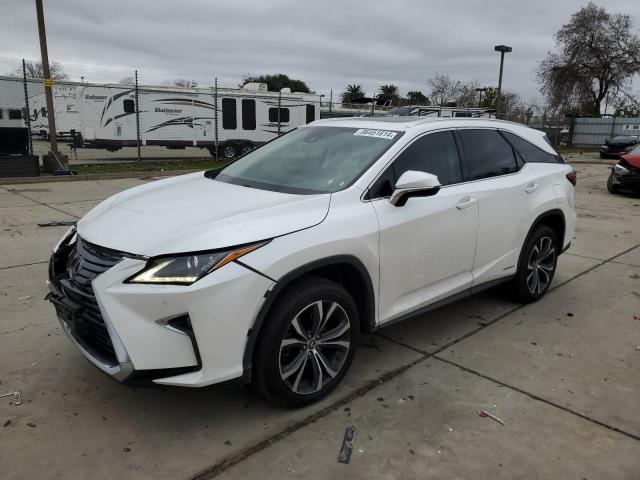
column 370, row 132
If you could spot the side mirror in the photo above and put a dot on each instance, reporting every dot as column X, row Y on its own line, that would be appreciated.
column 414, row 184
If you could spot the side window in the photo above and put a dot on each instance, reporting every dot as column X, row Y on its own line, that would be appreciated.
column 311, row 113
column 15, row 114
column 528, row 151
column 284, row 115
column 229, row 120
column 434, row 153
column 129, row 106
column 487, row 154
column 248, row 114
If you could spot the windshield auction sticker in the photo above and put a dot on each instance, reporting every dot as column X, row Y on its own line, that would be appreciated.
column 370, row 132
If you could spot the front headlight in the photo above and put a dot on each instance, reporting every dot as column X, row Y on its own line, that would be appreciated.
column 620, row 170
column 187, row 269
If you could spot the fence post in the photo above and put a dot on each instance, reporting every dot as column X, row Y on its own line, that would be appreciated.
column 137, row 117
column 279, row 104
column 215, row 115
column 27, row 117
column 330, row 101
column 572, row 122
column 613, row 126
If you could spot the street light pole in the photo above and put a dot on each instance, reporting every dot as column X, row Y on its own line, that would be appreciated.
column 47, row 79
column 502, row 49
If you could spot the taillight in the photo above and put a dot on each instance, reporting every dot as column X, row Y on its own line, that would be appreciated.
column 572, row 176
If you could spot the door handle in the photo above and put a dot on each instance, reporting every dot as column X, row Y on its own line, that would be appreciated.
column 466, row 202
column 532, row 187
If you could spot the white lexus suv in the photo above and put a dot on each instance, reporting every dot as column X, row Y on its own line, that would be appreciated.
column 268, row 269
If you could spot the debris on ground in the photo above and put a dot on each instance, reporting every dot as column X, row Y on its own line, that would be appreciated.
column 347, row 445
column 31, row 424
column 58, row 223
column 16, row 397
column 485, row 414
column 126, row 449
column 27, row 297
column 227, row 442
column 7, row 423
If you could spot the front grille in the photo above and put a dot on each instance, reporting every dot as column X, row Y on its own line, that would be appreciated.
column 84, row 263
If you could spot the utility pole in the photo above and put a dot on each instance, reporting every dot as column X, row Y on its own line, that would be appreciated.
column 502, row 49
column 48, row 82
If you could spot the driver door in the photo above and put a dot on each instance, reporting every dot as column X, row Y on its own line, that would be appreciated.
column 427, row 247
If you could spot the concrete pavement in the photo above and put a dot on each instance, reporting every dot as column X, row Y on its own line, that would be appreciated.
column 561, row 373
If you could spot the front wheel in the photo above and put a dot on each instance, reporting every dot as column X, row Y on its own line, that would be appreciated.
column 307, row 343
column 229, row 151
column 537, row 265
column 611, row 186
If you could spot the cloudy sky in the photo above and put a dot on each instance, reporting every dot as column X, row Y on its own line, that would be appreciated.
column 328, row 44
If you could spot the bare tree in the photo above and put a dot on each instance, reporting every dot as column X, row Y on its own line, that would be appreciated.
column 597, row 54
column 34, row 70
column 443, row 89
column 183, row 82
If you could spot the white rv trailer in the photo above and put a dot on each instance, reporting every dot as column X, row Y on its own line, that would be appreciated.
column 185, row 117
column 12, row 104
column 104, row 116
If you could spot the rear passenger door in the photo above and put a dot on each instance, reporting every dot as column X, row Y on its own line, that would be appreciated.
column 506, row 189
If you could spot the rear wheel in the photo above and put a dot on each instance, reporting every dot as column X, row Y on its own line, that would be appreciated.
column 610, row 185
column 537, row 265
column 246, row 148
column 307, row 343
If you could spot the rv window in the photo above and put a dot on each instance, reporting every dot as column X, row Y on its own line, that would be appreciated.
column 229, row 121
column 15, row 114
column 0, row 114
column 248, row 114
column 311, row 113
column 284, row 115
column 43, row 112
column 129, row 106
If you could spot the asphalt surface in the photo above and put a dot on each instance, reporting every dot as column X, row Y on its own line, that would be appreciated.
column 561, row 374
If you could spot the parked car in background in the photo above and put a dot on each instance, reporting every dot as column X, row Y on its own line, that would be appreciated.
column 619, row 145
column 267, row 270
column 625, row 175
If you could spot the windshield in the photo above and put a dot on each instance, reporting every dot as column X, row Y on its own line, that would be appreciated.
column 311, row 160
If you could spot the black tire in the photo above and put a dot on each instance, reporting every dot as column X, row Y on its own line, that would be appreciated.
column 246, row 148
column 535, row 273
column 278, row 348
column 602, row 155
column 610, row 186
column 228, row 151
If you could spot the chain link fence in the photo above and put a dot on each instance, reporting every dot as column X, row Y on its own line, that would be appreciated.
column 108, row 123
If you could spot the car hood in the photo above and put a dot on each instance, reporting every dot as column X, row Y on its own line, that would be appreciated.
column 191, row 213
column 633, row 160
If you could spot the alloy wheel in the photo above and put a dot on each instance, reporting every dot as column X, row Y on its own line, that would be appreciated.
column 314, row 347
column 541, row 264
column 229, row 152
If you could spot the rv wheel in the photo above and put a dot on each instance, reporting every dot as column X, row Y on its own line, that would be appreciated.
column 246, row 148
column 230, row 151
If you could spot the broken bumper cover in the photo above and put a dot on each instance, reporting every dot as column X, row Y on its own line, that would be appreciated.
column 204, row 347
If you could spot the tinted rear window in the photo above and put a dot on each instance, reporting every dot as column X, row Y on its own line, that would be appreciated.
column 529, row 152
column 487, row 154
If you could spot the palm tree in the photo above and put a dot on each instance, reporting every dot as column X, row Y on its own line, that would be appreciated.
column 352, row 92
column 388, row 94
